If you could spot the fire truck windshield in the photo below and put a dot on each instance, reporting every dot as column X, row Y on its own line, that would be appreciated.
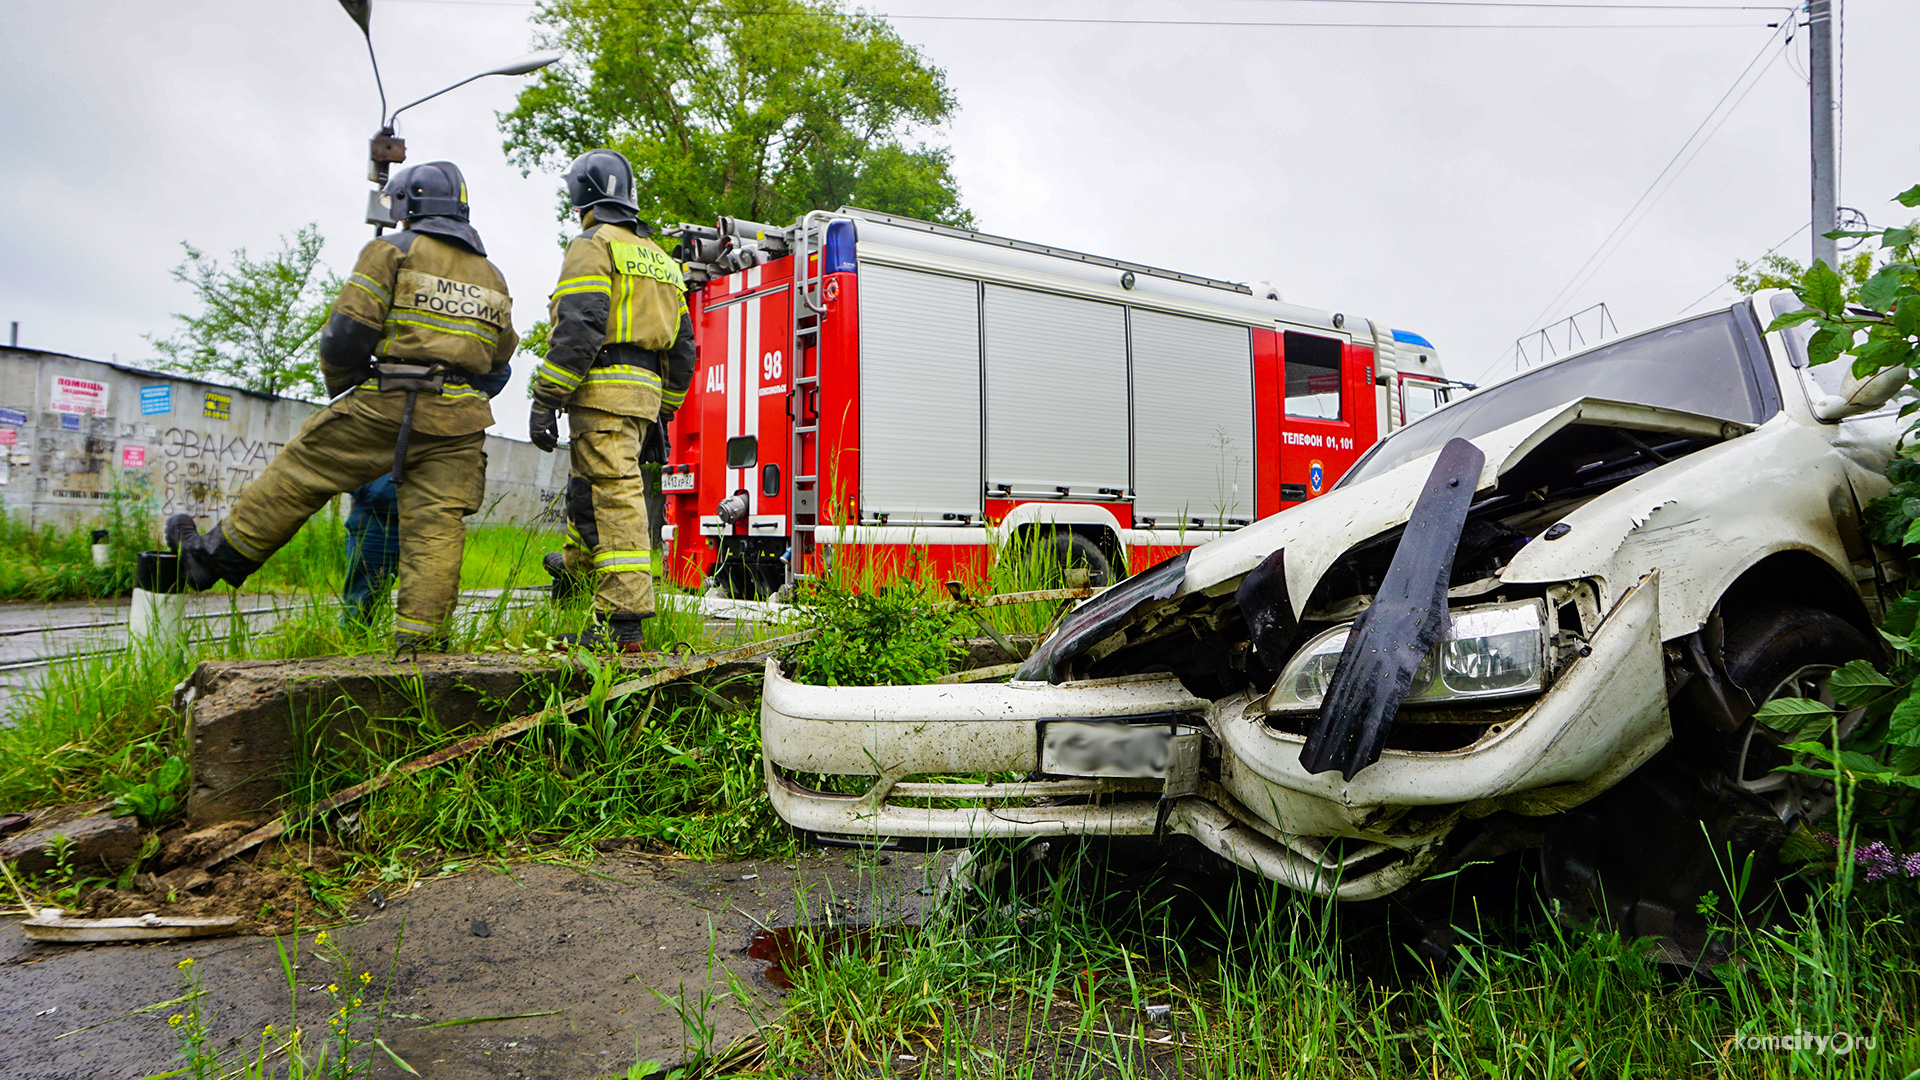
column 1697, row 366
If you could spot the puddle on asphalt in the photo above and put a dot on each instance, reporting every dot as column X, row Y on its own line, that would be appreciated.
column 787, row 950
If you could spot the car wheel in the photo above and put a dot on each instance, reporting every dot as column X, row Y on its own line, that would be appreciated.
column 1787, row 652
column 1646, row 852
column 1078, row 551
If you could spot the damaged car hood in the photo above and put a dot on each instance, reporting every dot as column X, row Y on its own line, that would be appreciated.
column 1316, row 533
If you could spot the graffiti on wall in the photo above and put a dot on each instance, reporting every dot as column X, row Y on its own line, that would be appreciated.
column 202, row 472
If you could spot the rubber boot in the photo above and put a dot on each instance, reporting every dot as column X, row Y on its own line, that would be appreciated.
column 206, row 560
column 616, row 633
column 406, row 641
column 566, row 585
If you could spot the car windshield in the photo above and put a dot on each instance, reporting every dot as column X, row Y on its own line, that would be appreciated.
column 1698, row 366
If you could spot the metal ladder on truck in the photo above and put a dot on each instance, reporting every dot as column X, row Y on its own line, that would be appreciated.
column 804, row 492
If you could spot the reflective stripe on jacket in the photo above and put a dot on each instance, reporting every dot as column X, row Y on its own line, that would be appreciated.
column 432, row 300
column 622, row 341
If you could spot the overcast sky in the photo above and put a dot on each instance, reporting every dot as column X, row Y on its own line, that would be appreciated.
column 1447, row 180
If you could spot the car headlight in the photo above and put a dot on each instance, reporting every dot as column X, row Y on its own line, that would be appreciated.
column 1494, row 651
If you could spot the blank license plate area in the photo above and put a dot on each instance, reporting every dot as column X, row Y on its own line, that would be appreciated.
column 1078, row 748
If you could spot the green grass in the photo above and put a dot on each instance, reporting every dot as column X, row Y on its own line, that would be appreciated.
column 49, row 563
column 1056, row 981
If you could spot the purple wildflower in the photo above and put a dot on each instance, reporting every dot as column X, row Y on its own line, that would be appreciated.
column 1877, row 859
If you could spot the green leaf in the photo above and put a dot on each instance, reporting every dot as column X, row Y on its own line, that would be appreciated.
column 1823, row 289
column 1856, row 683
column 1880, row 289
column 1792, row 318
column 1896, row 238
column 1903, row 727
column 1906, row 317
column 1828, row 343
column 1790, row 712
column 396, row 1058
column 1909, row 197
column 1902, row 614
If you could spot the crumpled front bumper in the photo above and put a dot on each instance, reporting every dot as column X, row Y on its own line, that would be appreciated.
column 1247, row 798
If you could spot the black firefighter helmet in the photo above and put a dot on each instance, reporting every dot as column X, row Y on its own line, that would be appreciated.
column 433, row 189
column 604, row 179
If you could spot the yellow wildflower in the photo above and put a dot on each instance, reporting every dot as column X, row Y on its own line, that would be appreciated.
column 333, row 988
column 322, row 938
column 174, row 1020
column 185, row 964
column 366, row 977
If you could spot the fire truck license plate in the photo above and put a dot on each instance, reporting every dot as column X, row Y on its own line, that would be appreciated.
column 1076, row 748
column 676, row 481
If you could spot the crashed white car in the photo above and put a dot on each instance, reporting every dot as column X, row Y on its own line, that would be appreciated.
column 1540, row 617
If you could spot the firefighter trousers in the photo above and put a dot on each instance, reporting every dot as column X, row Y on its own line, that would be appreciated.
column 337, row 451
column 607, row 510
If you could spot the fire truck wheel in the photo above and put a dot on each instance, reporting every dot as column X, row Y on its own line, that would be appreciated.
column 1078, row 550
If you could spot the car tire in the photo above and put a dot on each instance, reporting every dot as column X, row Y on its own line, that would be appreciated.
column 1078, row 551
column 1778, row 652
column 1646, row 852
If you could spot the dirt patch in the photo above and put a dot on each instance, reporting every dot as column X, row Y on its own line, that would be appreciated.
column 192, row 848
column 591, row 942
column 271, row 895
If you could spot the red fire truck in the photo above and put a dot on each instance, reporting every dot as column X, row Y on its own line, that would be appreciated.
column 876, row 388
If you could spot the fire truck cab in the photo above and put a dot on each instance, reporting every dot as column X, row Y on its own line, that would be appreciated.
column 878, row 388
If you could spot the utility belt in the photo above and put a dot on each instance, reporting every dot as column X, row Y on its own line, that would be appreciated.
column 416, row 378
column 629, row 353
column 412, row 379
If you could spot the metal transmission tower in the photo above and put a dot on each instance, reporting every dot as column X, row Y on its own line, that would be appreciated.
column 1820, row 108
column 1540, row 345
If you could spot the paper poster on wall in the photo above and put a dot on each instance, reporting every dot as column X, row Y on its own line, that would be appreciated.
column 155, row 400
column 133, row 457
column 9, row 436
column 219, row 406
column 15, row 417
column 81, row 397
column 70, row 422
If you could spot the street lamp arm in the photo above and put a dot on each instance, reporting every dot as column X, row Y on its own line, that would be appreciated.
column 388, row 122
column 531, row 62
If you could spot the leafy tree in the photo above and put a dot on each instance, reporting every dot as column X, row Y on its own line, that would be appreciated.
column 761, row 111
column 1776, row 271
column 260, row 321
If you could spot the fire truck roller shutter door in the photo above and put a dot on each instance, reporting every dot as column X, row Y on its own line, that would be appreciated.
column 1056, row 392
column 919, row 394
column 1193, row 419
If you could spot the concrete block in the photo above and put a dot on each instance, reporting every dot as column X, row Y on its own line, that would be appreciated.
column 250, row 722
column 101, row 842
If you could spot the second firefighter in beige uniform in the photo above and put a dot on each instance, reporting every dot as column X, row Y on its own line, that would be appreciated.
column 620, row 356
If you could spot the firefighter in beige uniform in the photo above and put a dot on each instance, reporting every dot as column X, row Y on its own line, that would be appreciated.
column 619, row 357
column 423, row 317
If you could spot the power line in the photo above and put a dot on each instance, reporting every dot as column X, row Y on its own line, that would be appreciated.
column 1596, row 258
column 1537, row 4
column 1803, row 228
column 1063, row 20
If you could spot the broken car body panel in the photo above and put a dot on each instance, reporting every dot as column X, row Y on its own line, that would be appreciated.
column 1603, row 537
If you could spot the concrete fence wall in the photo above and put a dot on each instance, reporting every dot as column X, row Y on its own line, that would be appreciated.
column 75, row 432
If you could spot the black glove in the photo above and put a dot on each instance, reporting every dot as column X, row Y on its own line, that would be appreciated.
column 543, row 427
column 653, row 445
